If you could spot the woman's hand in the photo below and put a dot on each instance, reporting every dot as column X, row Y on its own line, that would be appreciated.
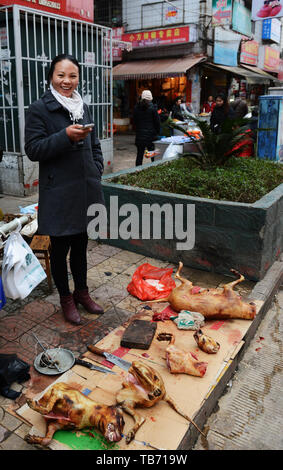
column 76, row 132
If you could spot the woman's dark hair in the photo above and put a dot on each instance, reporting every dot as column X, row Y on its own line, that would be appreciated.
column 225, row 104
column 59, row 58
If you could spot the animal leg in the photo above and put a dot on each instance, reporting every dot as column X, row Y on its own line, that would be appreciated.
column 43, row 408
column 182, row 279
column 230, row 286
column 139, row 420
column 180, row 412
column 51, row 429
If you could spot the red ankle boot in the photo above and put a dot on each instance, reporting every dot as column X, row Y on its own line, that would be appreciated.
column 69, row 309
column 82, row 297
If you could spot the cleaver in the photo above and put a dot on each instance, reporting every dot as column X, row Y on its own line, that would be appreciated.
column 110, row 357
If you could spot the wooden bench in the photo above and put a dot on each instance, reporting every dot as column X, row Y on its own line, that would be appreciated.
column 41, row 245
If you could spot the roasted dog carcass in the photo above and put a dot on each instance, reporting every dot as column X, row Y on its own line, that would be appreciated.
column 181, row 362
column 206, row 343
column 64, row 407
column 212, row 303
column 143, row 387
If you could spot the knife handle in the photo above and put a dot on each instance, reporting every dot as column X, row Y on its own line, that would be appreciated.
column 80, row 362
column 96, row 350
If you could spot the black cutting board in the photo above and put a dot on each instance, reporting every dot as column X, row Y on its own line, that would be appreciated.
column 139, row 334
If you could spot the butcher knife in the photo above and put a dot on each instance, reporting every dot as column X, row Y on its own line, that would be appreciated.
column 110, row 357
column 91, row 366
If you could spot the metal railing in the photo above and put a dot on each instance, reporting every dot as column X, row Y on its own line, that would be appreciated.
column 29, row 40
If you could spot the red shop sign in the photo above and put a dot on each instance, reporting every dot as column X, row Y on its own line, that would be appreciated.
column 78, row 9
column 249, row 52
column 158, row 37
column 280, row 72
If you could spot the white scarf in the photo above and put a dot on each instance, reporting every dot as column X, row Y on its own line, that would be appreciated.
column 74, row 105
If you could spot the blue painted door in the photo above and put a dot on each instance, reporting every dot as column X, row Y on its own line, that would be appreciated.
column 268, row 119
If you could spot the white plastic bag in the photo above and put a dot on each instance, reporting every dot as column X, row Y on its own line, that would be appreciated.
column 172, row 151
column 21, row 270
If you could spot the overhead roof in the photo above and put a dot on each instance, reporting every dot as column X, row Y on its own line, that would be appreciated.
column 251, row 75
column 155, row 68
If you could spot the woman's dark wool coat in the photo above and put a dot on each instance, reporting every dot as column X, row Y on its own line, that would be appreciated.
column 69, row 174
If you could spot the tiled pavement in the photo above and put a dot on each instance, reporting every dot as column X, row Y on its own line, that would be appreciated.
column 109, row 272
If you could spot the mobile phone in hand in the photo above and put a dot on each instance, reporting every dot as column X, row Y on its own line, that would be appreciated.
column 88, row 126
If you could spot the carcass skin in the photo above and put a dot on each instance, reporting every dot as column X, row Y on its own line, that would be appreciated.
column 144, row 387
column 206, row 343
column 64, row 407
column 211, row 303
column 181, row 362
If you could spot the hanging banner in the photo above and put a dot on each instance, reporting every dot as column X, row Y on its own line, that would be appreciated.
column 221, row 12
column 271, row 29
column 262, row 9
column 226, row 53
column 249, row 52
column 78, row 9
column 173, row 14
column 269, row 59
column 241, row 19
column 280, row 71
column 161, row 37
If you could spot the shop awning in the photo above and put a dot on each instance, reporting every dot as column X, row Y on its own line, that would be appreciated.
column 155, row 68
column 260, row 72
column 250, row 75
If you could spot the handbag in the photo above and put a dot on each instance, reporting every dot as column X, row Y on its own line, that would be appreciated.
column 12, row 369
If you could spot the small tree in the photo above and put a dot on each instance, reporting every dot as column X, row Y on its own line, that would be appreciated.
column 216, row 149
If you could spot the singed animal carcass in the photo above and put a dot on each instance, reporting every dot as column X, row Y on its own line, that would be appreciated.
column 144, row 387
column 64, row 407
column 211, row 303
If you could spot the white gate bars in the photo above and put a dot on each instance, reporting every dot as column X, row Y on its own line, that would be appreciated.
column 29, row 40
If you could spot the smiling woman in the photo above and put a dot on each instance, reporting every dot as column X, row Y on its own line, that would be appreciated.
column 70, row 169
column 65, row 77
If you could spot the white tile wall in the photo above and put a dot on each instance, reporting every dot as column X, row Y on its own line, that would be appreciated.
column 132, row 13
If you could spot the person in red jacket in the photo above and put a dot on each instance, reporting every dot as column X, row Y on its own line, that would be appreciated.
column 208, row 107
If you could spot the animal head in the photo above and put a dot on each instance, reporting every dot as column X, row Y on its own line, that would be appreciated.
column 111, row 424
column 147, row 377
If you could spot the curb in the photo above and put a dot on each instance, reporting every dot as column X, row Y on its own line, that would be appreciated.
column 264, row 290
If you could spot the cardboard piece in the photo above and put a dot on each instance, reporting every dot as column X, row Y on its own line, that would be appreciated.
column 163, row 428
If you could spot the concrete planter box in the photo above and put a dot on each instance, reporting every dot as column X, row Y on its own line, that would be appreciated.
column 246, row 237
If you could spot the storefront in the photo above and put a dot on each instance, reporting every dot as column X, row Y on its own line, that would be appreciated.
column 245, row 81
column 166, row 78
column 154, row 66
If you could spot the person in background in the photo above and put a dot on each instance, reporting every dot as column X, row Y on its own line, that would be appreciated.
column 186, row 109
column 220, row 113
column 147, row 123
column 70, row 169
column 209, row 106
column 239, row 107
column 177, row 110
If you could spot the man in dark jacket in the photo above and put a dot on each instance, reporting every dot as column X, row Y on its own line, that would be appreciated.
column 147, row 123
column 177, row 110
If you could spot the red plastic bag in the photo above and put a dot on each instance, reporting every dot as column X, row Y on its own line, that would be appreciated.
column 143, row 290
